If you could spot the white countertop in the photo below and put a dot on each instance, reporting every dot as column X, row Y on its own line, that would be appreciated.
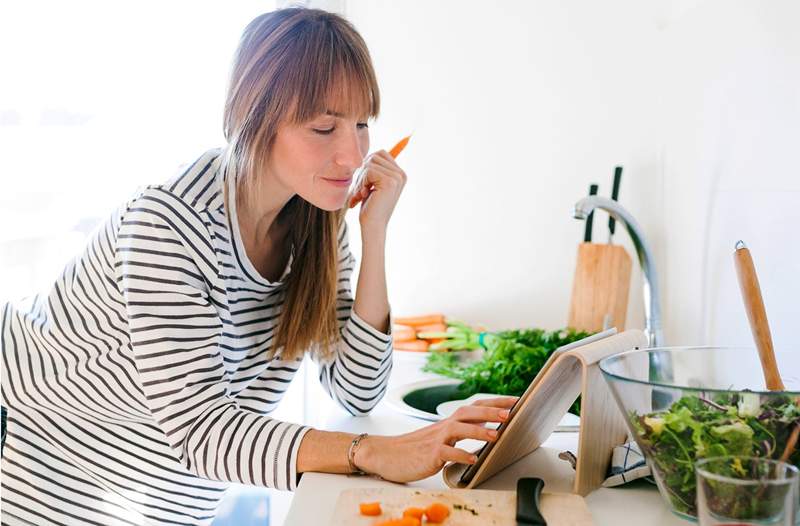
column 637, row 503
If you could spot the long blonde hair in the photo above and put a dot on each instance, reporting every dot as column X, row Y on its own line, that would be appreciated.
column 291, row 65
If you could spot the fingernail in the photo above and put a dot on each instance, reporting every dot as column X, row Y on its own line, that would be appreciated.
column 504, row 413
column 492, row 433
column 473, row 459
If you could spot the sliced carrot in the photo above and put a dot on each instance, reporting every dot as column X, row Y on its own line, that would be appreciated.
column 403, row 333
column 416, row 321
column 370, row 508
column 437, row 512
column 417, row 513
column 414, row 345
column 399, row 147
column 405, row 521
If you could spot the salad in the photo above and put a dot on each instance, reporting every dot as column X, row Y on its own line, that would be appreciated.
column 697, row 426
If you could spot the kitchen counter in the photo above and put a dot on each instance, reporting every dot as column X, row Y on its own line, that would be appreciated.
column 637, row 503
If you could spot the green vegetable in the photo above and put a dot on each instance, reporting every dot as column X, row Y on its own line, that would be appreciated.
column 695, row 427
column 512, row 358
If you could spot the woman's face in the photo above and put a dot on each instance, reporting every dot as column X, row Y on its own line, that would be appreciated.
column 316, row 159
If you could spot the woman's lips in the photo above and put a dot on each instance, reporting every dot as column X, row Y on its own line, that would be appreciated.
column 339, row 182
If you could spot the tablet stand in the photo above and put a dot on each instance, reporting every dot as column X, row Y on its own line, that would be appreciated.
column 575, row 372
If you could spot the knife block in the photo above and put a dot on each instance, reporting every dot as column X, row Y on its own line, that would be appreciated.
column 600, row 288
column 576, row 372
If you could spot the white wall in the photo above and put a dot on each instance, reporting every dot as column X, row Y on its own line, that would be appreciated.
column 518, row 106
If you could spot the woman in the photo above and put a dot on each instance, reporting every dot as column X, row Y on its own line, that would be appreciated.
column 141, row 384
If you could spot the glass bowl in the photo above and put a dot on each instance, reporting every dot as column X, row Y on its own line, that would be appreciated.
column 682, row 404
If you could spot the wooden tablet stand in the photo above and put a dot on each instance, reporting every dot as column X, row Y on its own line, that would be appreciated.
column 573, row 373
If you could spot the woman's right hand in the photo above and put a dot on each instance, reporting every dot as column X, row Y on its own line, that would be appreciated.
column 422, row 453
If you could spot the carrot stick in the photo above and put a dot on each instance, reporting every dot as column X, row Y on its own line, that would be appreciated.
column 415, row 345
column 399, row 147
column 416, row 321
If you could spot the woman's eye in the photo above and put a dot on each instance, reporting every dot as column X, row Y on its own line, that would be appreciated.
column 362, row 125
column 325, row 132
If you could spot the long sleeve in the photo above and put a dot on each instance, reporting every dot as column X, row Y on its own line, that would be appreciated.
column 177, row 314
column 357, row 374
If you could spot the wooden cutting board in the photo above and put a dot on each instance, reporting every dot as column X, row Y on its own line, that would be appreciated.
column 468, row 506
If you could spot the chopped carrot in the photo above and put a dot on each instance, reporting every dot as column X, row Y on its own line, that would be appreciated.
column 370, row 508
column 414, row 345
column 416, row 321
column 405, row 521
column 437, row 512
column 403, row 333
column 399, row 147
column 417, row 513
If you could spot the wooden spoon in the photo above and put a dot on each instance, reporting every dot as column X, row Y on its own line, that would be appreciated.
column 757, row 316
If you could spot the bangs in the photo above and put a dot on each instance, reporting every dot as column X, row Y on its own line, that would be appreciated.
column 337, row 75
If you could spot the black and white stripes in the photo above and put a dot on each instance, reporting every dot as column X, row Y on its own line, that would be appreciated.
column 140, row 384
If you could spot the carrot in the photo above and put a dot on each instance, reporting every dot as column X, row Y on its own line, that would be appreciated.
column 417, row 513
column 403, row 333
column 414, row 345
column 437, row 512
column 399, row 147
column 432, row 327
column 416, row 321
column 423, row 332
column 405, row 521
column 370, row 508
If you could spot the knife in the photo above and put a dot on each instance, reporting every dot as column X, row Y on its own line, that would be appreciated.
column 614, row 197
column 529, row 491
column 587, row 233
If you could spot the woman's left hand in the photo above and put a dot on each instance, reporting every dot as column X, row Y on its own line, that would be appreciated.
column 378, row 190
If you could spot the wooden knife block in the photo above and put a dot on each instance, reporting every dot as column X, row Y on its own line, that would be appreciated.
column 600, row 288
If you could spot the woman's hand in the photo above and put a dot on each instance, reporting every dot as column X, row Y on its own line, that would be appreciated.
column 378, row 190
column 422, row 453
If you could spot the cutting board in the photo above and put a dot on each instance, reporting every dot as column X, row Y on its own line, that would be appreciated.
column 468, row 507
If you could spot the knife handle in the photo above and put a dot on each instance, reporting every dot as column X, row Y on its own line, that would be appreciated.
column 529, row 491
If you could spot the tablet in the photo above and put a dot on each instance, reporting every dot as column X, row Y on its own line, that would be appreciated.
column 469, row 473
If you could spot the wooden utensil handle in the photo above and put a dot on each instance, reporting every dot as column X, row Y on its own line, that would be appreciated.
column 757, row 316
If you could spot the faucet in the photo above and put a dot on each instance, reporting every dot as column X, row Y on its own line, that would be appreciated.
column 652, row 296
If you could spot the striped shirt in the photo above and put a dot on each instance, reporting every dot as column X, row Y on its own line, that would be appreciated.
column 140, row 384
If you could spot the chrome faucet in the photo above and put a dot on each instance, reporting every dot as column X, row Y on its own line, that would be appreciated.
column 652, row 296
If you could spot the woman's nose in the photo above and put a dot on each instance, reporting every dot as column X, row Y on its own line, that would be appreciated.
column 352, row 150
